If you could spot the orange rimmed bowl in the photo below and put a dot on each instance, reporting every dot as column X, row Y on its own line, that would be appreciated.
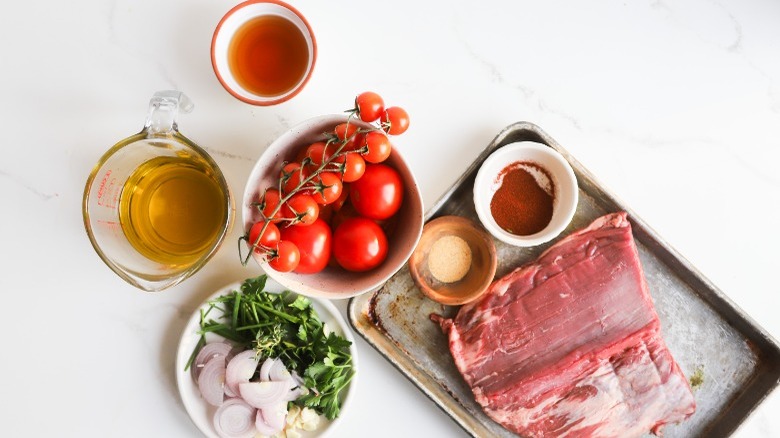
column 232, row 23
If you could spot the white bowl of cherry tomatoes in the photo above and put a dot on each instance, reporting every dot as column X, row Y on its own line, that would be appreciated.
column 331, row 208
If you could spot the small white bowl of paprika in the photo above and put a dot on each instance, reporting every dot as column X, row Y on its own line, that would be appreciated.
column 525, row 193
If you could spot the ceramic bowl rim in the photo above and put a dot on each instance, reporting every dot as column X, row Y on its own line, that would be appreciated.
column 565, row 183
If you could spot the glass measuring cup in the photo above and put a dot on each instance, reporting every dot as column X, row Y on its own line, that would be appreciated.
column 156, row 206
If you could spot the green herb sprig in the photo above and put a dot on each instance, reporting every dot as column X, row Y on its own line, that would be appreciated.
column 284, row 326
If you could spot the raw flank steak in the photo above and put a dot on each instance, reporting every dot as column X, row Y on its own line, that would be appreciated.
column 570, row 344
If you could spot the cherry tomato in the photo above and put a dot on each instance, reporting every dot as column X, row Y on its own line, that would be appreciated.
column 347, row 133
column 268, row 240
column 342, row 199
column 313, row 242
column 369, row 106
column 327, row 188
column 379, row 193
column 377, row 147
column 347, row 211
column 320, row 152
column 291, row 176
column 285, row 257
column 394, row 120
column 301, row 154
column 326, row 213
column 345, row 130
column 301, row 208
column 268, row 204
column 359, row 244
column 357, row 140
column 354, row 167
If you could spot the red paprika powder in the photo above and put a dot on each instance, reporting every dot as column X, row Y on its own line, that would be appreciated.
column 523, row 204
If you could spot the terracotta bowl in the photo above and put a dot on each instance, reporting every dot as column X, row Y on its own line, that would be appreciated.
column 480, row 273
column 334, row 282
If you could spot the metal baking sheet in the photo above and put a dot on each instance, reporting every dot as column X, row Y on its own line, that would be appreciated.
column 706, row 332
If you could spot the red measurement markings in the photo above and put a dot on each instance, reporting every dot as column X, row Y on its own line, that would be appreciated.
column 102, row 187
column 107, row 187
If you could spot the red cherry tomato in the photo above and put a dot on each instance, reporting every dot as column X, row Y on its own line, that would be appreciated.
column 356, row 142
column 292, row 175
column 359, row 244
column 320, row 152
column 268, row 203
column 301, row 208
column 301, row 154
column 342, row 199
column 345, row 212
column 377, row 147
column 348, row 134
column 394, row 120
column 268, row 240
column 354, row 167
column 285, row 257
column 379, row 193
column 369, row 106
column 345, row 130
column 326, row 213
column 327, row 188
column 314, row 244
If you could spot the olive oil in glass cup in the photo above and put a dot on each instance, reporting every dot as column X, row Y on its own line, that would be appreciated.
column 156, row 206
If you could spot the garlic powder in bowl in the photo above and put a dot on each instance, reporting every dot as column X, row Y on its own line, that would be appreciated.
column 454, row 262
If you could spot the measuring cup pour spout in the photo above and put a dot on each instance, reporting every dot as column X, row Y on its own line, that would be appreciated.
column 156, row 206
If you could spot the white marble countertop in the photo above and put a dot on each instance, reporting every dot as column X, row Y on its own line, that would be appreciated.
column 675, row 106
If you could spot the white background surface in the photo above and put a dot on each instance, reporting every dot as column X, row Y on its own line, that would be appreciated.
column 675, row 106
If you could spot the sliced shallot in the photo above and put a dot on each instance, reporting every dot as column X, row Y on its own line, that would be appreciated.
column 298, row 379
column 211, row 381
column 235, row 419
column 263, row 427
column 296, row 393
column 275, row 415
column 265, row 369
column 206, row 353
column 240, row 369
column 264, row 394
column 279, row 373
column 229, row 392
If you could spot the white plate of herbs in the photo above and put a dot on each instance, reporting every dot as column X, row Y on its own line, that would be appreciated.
column 257, row 360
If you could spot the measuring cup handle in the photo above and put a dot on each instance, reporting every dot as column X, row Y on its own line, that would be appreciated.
column 163, row 109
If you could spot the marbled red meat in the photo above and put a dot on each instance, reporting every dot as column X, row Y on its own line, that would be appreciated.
column 570, row 345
